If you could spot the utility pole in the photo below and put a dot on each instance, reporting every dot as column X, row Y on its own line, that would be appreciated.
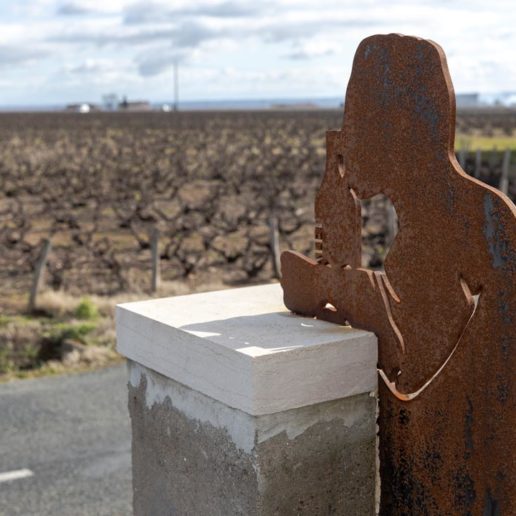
column 176, row 86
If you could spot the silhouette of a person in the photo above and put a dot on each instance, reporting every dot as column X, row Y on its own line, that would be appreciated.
column 444, row 310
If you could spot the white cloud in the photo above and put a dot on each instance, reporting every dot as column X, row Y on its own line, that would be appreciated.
column 15, row 55
column 153, row 12
column 281, row 47
column 86, row 7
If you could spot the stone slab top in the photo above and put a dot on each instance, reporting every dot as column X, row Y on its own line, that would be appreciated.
column 244, row 348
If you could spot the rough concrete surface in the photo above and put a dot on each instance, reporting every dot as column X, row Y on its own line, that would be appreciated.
column 193, row 455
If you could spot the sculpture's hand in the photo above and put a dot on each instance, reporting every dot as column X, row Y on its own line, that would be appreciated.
column 301, row 286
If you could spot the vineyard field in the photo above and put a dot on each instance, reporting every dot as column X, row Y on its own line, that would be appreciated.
column 98, row 185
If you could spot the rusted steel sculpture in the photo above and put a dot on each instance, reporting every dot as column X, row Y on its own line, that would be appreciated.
column 444, row 310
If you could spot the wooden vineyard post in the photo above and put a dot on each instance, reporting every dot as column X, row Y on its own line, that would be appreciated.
column 392, row 223
column 494, row 157
column 155, row 259
column 478, row 163
column 274, row 245
column 462, row 158
column 38, row 273
column 504, row 181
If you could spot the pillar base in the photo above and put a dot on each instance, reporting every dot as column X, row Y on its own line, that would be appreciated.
column 291, row 452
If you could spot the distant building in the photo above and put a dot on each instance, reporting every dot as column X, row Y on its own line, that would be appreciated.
column 84, row 107
column 511, row 100
column 110, row 101
column 134, row 105
column 467, row 100
column 505, row 98
column 294, row 105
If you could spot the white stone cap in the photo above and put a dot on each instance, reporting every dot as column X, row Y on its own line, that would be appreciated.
column 244, row 348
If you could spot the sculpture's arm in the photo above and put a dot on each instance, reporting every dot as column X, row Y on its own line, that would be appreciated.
column 365, row 299
column 359, row 296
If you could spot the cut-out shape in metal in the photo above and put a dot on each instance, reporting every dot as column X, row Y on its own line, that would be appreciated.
column 444, row 310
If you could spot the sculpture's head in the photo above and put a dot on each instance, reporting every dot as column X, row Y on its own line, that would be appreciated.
column 399, row 113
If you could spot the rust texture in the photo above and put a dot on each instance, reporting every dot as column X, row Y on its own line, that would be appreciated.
column 444, row 310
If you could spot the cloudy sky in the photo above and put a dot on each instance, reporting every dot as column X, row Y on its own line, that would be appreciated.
column 55, row 51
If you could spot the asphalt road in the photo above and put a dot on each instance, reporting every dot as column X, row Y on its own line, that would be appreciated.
column 72, row 433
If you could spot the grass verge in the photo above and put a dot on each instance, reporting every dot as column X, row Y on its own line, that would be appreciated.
column 67, row 333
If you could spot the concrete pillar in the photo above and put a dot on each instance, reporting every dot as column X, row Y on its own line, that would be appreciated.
column 240, row 407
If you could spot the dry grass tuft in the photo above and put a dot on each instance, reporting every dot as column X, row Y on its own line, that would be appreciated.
column 57, row 303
